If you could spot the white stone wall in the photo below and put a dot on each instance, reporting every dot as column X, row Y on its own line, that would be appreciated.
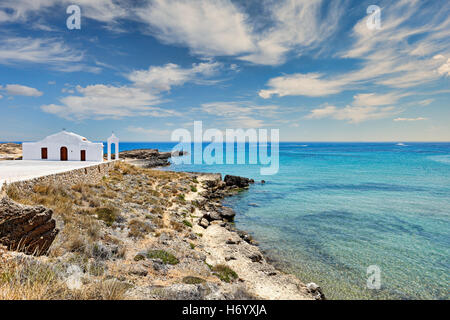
column 89, row 175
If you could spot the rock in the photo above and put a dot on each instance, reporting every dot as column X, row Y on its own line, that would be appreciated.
column 150, row 158
column 30, row 229
column 227, row 213
column 316, row 291
column 138, row 270
column 231, row 241
column 236, row 181
column 192, row 236
column 164, row 238
column 230, row 258
column 245, row 236
column 159, row 265
column 181, row 291
column 255, row 257
column 213, row 215
column 140, row 256
column 204, row 223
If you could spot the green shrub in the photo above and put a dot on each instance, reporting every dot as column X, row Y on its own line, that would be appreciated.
column 193, row 280
column 224, row 273
column 187, row 223
column 165, row 256
column 108, row 215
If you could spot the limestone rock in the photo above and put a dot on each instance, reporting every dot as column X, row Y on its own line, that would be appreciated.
column 204, row 223
column 316, row 291
column 237, row 181
column 30, row 229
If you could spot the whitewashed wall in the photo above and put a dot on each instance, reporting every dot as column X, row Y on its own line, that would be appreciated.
column 73, row 142
column 32, row 151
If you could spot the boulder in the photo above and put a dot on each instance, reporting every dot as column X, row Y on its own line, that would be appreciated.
column 236, row 181
column 226, row 213
column 316, row 291
column 29, row 229
column 138, row 270
column 213, row 215
column 204, row 223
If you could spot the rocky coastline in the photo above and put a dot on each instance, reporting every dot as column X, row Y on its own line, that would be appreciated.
column 149, row 158
column 148, row 234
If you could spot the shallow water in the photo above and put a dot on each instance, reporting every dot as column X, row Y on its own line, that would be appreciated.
column 334, row 209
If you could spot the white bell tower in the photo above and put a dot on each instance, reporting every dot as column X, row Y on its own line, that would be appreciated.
column 115, row 140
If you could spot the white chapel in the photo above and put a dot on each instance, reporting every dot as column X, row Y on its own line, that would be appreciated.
column 63, row 146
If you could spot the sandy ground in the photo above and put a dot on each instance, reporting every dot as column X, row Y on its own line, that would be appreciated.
column 19, row 170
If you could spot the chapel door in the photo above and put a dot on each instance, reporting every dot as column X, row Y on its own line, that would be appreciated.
column 44, row 153
column 63, row 154
column 83, row 155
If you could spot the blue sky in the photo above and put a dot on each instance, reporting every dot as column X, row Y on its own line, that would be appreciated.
column 314, row 69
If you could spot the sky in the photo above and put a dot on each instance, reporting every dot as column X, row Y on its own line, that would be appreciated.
column 316, row 70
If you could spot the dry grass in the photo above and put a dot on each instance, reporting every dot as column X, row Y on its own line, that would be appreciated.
column 84, row 213
column 138, row 228
column 29, row 279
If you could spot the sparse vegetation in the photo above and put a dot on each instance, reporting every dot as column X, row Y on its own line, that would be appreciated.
column 165, row 256
column 138, row 228
column 108, row 230
column 187, row 223
column 108, row 215
column 224, row 273
column 193, row 280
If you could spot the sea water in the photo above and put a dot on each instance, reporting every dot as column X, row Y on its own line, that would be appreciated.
column 334, row 209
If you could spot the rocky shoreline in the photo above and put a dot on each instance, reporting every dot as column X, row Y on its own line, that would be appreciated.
column 149, row 158
column 148, row 234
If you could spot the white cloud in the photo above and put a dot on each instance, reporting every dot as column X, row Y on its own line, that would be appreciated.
column 372, row 99
column 410, row 119
column 323, row 112
column 387, row 57
column 222, row 28
column 234, row 109
column 366, row 106
column 105, row 102
column 149, row 132
column 309, row 84
column 139, row 98
column 425, row 102
column 207, row 27
column 352, row 114
column 163, row 78
column 49, row 51
column 297, row 25
column 239, row 114
column 19, row 90
column 445, row 68
column 107, row 11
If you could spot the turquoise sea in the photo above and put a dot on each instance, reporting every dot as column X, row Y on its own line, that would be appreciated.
column 334, row 209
